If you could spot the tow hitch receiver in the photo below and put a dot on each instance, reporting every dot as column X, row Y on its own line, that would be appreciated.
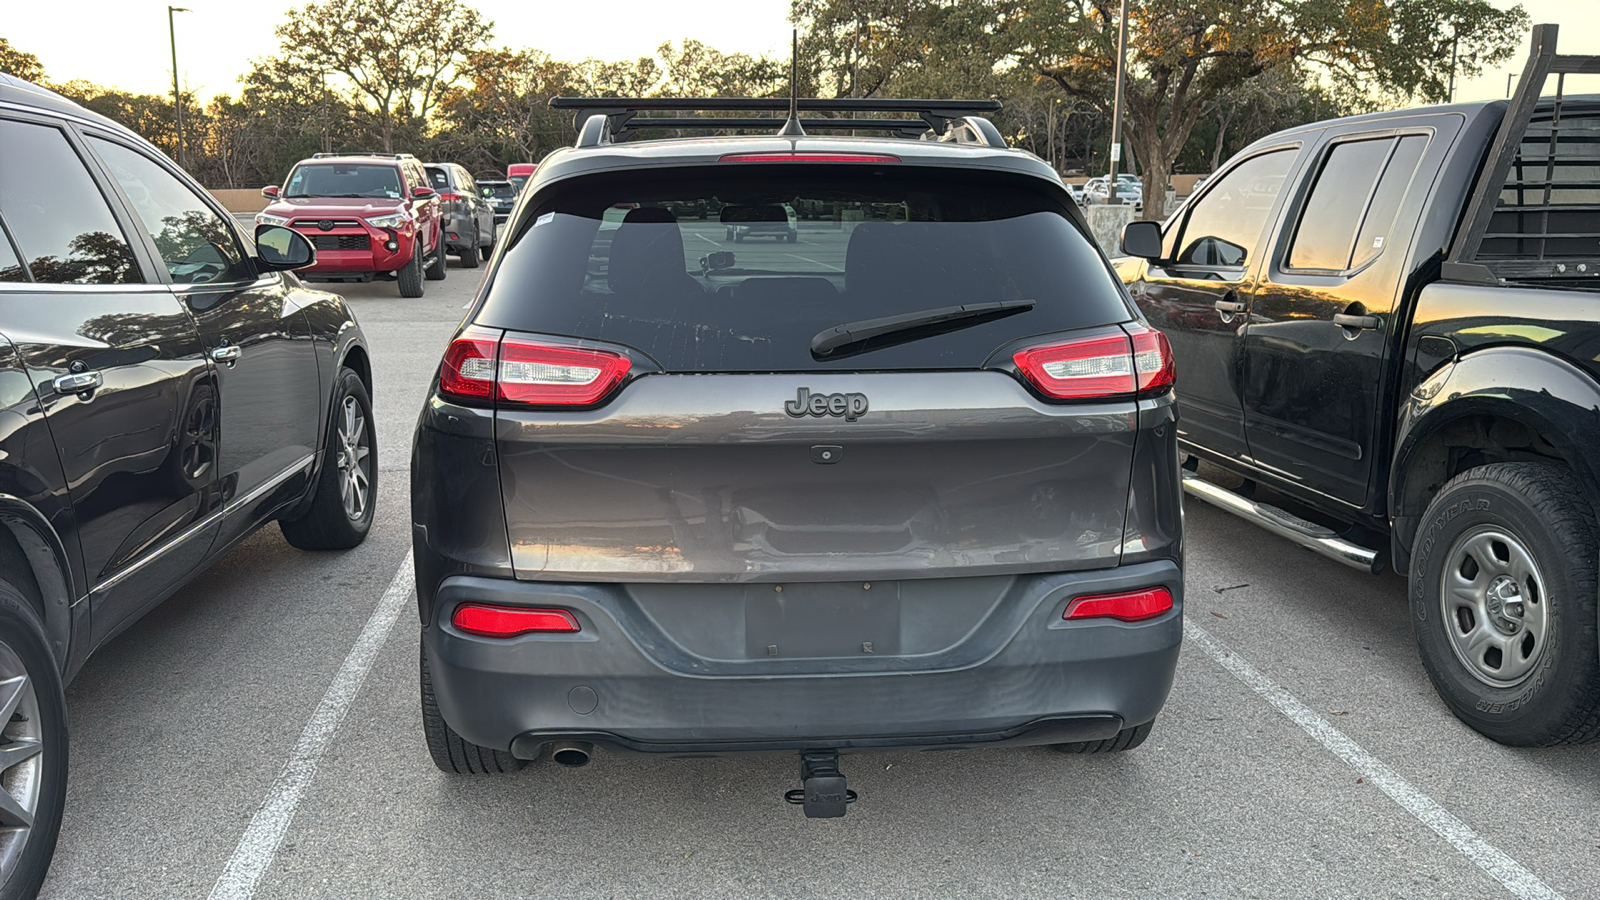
column 823, row 793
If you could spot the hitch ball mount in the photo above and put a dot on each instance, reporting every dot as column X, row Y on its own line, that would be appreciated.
column 823, row 792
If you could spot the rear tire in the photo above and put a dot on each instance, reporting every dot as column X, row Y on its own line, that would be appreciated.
column 437, row 269
column 39, row 716
column 452, row 753
column 1503, row 595
column 469, row 256
column 1126, row 739
column 350, row 457
column 487, row 251
column 410, row 275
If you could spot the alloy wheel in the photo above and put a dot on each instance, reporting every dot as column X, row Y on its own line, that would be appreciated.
column 21, row 759
column 355, row 452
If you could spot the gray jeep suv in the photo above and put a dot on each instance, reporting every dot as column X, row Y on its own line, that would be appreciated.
column 909, row 481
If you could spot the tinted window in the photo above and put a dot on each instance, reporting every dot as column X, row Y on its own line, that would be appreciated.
column 56, row 213
column 518, row 181
column 344, row 180
column 197, row 246
column 10, row 266
column 492, row 189
column 1224, row 226
column 438, row 178
column 1378, row 226
column 1327, row 230
column 738, row 272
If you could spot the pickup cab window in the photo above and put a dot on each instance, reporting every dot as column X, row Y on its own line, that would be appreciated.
column 1347, row 218
column 1223, row 228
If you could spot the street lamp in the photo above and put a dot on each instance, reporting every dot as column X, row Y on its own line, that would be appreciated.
column 1116, row 108
column 177, row 97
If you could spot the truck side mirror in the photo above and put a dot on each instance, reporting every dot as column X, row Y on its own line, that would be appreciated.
column 1142, row 239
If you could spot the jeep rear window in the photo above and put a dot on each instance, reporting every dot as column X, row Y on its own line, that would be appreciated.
column 344, row 180
column 736, row 268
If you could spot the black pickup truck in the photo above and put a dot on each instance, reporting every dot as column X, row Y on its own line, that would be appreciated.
column 1392, row 324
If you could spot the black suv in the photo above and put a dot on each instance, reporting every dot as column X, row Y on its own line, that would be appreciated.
column 165, row 390
column 501, row 195
column 909, row 481
column 468, row 216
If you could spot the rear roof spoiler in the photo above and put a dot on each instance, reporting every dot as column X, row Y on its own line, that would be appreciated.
column 604, row 120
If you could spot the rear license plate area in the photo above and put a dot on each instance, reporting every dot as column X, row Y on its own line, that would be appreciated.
column 831, row 619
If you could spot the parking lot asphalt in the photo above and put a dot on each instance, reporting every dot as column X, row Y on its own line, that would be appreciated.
column 1303, row 752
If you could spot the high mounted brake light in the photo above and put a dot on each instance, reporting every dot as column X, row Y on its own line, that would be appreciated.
column 810, row 157
column 1136, row 363
column 516, row 371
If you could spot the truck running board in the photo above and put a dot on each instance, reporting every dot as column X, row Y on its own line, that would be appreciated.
column 1310, row 535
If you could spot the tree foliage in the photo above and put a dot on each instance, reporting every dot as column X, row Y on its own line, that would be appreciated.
column 16, row 62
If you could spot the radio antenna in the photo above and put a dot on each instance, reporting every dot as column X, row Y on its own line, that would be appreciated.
column 792, row 128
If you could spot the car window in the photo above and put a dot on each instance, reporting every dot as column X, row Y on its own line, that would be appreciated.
column 10, row 264
column 195, row 243
column 1377, row 227
column 1223, row 228
column 711, row 271
column 1326, row 233
column 465, row 182
column 438, row 178
column 336, row 179
column 57, row 215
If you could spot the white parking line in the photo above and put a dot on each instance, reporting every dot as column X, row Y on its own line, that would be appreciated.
column 259, row 844
column 814, row 261
column 1488, row 857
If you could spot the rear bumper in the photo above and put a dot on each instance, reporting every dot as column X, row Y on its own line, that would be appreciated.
column 1023, row 676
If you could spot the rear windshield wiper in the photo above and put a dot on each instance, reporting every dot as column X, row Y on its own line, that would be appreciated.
column 871, row 334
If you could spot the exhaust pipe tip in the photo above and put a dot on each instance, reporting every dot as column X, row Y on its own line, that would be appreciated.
column 572, row 754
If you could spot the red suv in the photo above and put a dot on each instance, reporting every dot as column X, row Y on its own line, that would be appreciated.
column 368, row 214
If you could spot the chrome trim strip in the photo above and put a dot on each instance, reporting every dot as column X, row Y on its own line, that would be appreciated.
column 40, row 287
column 205, row 523
column 1313, row 537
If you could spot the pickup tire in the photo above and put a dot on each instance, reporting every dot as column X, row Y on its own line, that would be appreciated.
column 1126, row 739
column 452, row 753
column 1503, row 592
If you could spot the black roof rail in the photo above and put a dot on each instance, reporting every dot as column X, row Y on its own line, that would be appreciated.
column 1503, row 241
column 362, row 153
column 618, row 116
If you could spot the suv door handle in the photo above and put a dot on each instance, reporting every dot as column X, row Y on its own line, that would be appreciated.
column 229, row 354
column 77, row 382
column 1365, row 323
column 1229, row 306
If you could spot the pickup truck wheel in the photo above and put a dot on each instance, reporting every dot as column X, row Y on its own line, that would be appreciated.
column 1503, row 594
column 469, row 256
column 33, row 748
column 340, row 514
column 437, row 269
column 452, row 753
column 411, row 275
column 1126, row 739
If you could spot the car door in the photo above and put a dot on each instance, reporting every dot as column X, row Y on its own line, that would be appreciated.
column 268, row 397
column 1322, row 319
column 428, row 210
column 1198, row 294
column 118, row 369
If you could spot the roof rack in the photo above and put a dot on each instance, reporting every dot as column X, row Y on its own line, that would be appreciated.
column 362, row 153
column 604, row 120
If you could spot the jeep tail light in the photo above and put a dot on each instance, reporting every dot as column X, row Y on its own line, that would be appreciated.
column 511, row 621
column 517, row 371
column 1132, row 606
column 1136, row 362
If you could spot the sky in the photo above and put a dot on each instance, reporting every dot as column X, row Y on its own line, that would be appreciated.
column 123, row 43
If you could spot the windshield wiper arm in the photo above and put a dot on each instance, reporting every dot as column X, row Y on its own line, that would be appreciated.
column 926, row 323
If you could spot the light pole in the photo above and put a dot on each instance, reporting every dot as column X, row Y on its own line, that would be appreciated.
column 177, row 97
column 1116, row 108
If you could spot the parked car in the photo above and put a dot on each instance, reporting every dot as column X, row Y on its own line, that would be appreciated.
column 501, row 196
column 468, row 216
column 1390, row 320
column 519, row 173
column 368, row 215
column 774, row 220
column 916, row 487
column 1076, row 190
column 167, row 387
column 1097, row 190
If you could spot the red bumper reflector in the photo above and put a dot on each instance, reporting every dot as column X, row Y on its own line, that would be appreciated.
column 511, row 621
column 1133, row 606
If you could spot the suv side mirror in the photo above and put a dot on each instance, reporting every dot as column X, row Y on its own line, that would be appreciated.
column 1142, row 239
column 421, row 193
column 279, row 248
column 270, row 192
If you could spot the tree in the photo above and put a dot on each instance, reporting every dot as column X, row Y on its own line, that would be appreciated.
column 23, row 65
column 402, row 55
column 1183, row 56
